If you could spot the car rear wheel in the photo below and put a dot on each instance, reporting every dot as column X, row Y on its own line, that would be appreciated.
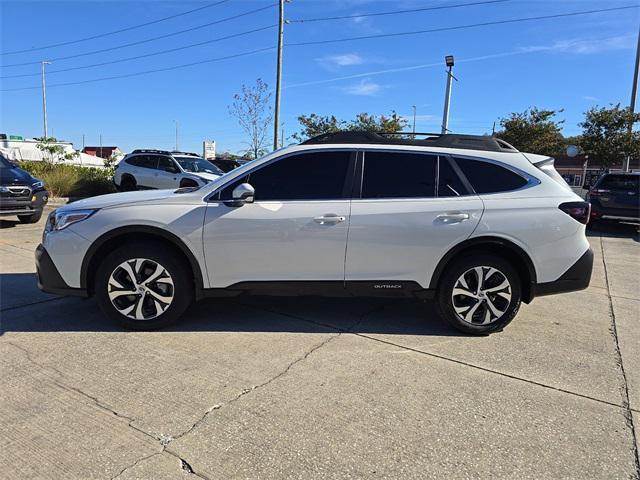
column 479, row 294
column 33, row 218
column 128, row 184
column 143, row 287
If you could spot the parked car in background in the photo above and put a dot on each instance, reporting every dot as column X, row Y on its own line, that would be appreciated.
column 225, row 164
column 20, row 194
column 160, row 169
column 467, row 221
column 616, row 196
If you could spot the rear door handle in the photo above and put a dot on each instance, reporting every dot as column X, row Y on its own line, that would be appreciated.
column 328, row 219
column 452, row 217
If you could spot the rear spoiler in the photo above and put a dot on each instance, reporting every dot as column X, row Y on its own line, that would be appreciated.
column 547, row 165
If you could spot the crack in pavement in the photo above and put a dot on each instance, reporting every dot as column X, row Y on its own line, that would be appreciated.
column 111, row 410
column 442, row 357
column 166, row 440
column 625, row 385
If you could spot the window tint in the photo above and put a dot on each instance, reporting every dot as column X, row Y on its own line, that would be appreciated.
column 398, row 175
column 630, row 183
column 308, row 176
column 145, row 161
column 486, row 177
column 165, row 162
column 449, row 184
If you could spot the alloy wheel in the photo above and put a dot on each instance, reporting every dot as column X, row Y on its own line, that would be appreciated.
column 141, row 289
column 481, row 295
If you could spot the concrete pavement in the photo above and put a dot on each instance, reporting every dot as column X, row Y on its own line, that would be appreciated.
column 321, row 388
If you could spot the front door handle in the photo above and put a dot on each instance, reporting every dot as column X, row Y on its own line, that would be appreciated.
column 329, row 219
column 449, row 218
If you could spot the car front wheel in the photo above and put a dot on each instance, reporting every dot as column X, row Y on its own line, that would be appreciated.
column 479, row 294
column 143, row 287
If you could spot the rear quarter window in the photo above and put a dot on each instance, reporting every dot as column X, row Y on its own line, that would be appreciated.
column 629, row 183
column 487, row 177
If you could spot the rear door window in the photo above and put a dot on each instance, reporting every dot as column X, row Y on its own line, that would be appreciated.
column 398, row 175
column 488, row 177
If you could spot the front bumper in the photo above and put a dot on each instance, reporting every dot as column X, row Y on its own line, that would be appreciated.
column 577, row 277
column 49, row 279
column 24, row 206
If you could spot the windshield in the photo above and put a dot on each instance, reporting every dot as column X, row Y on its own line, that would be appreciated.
column 198, row 165
column 4, row 163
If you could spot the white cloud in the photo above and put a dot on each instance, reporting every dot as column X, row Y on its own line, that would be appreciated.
column 589, row 98
column 584, row 46
column 365, row 88
column 341, row 60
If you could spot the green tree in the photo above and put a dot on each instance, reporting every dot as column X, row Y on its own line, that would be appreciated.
column 606, row 134
column 314, row 124
column 533, row 131
column 252, row 109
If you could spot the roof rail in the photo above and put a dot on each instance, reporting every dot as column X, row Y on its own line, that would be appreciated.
column 449, row 140
column 188, row 154
column 151, row 150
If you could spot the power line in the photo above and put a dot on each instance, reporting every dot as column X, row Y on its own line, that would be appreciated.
column 133, row 27
column 459, row 27
column 395, row 12
column 145, row 72
column 111, row 62
column 139, row 42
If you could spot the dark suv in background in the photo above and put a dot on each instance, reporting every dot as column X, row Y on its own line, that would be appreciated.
column 616, row 196
column 20, row 193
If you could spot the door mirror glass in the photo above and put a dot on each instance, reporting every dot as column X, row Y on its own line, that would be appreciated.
column 243, row 193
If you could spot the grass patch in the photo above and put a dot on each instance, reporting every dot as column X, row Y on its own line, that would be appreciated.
column 72, row 180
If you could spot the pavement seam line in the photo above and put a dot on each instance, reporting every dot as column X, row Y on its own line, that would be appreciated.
column 628, row 415
column 442, row 357
column 109, row 409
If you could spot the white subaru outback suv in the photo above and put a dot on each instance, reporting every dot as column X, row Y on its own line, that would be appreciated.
column 467, row 221
column 145, row 169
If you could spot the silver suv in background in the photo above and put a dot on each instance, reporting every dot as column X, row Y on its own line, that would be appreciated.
column 161, row 169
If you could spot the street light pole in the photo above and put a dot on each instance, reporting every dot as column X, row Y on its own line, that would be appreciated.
column 276, row 116
column 176, row 149
column 447, row 95
column 44, row 99
column 634, row 92
column 414, row 118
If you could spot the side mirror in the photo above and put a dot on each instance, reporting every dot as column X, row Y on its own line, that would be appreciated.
column 243, row 193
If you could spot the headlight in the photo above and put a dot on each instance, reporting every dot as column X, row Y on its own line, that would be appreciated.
column 58, row 220
column 37, row 184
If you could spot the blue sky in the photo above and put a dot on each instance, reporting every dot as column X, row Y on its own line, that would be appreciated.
column 572, row 63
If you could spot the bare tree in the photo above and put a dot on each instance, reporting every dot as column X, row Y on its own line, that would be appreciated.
column 252, row 109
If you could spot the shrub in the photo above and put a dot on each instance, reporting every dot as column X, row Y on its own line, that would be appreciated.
column 72, row 180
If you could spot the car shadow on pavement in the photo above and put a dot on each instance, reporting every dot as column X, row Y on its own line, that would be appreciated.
column 23, row 308
column 4, row 223
column 603, row 228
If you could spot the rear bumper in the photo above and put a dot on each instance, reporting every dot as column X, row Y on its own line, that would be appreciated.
column 49, row 279
column 577, row 277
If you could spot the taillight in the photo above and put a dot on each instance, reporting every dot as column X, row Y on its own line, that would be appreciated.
column 579, row 211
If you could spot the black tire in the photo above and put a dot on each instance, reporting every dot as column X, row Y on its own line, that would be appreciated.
column 33, row 218
column 445, row 298
column 128, row 184
column 181, row 290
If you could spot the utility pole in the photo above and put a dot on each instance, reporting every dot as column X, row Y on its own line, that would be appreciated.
column 44, row 99
column 414, row 118
column 176, row 149
column 100, row 146
column 276, row 117
column 83, row 141
column 447, row 95
column 634, row 93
